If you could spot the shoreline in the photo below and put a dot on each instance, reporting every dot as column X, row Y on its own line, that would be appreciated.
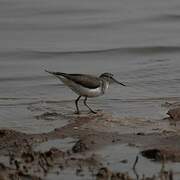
column 80, row 146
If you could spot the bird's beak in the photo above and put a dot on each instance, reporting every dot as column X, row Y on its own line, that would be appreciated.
column 118, row 82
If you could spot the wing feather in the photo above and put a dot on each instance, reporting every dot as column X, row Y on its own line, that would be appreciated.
column 85, row 80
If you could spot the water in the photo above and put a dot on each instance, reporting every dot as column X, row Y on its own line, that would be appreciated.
column 136, row 40
column 145, row 166
column 62, row 144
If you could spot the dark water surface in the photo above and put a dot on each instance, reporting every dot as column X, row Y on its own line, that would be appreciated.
column 136, row 40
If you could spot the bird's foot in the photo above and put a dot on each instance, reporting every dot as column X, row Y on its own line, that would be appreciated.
column 94, row 112
column 76, row 112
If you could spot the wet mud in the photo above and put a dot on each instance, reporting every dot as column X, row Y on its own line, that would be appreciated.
column 92, row 146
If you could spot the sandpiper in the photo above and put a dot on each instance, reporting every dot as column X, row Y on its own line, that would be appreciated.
column 86, row 85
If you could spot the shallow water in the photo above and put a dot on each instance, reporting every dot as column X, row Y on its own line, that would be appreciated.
column 117, row 158
column 137, row 41
column 62, row 144
column 122, row 158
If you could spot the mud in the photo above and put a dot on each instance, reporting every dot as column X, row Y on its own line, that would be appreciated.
column 92, row 146
column 174, row 114
column 165, row 154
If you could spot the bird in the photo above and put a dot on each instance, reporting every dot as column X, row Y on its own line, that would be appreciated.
column 85, row 85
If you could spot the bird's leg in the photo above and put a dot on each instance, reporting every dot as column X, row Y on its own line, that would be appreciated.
column 77, row 108
column 88, row 106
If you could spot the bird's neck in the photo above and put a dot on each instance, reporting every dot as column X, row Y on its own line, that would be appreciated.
column 104, row 86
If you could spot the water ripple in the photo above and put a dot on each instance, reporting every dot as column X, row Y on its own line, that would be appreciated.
column 124, row 50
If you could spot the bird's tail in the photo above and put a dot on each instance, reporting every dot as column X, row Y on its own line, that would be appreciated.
column 50, row 72
column 55, row 73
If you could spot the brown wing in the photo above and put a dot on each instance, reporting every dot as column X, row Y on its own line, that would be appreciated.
column 85, row 80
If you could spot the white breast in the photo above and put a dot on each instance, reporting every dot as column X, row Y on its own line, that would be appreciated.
column 80, row 90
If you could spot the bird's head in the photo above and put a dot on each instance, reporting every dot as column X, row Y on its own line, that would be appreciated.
column 109, row 78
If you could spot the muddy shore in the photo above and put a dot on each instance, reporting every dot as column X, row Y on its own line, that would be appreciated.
column 93, row 147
